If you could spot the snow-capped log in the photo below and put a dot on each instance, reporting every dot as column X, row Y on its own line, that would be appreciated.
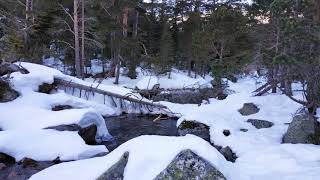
column 70, row 84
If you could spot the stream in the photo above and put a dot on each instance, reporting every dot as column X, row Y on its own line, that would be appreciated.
column 122, row 128
column 129, row 126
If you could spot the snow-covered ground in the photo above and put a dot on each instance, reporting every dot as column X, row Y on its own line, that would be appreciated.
column 261, row 156
column 24, row 119
column 146, row 80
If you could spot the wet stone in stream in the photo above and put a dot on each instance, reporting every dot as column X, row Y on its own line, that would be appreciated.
column 129, row 126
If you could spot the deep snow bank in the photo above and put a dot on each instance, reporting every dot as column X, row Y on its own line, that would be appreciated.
column 148, row 156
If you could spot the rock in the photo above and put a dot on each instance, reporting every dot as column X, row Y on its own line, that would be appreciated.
column 187, row 165
column 71, row 127
column 226, row 132
column 61, row 107
column 7, row 94
column 88, row 134
column 8, row 68
column 57, row 160
column 232, row 78
column 27, row 162
column 185, row 96
column 18, row 172
column 195, row 128
column 259, row 124
column 47, row 88
column 116, row 171
column 100, row 154
column 303, row 129
column 222, row 96
column 244, row 130
column 248, row 109
column 228, row 154
column 2, row 166
column 6, row 159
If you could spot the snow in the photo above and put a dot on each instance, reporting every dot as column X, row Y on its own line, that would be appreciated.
column 42, row 145
column 146, row 80
column 24, row 119
column 146, row 159
column 260, row 153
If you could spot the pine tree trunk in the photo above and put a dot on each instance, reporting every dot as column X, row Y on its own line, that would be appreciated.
column 83, row 58
column 132, row 63
column 124, row 35
column 76, row 39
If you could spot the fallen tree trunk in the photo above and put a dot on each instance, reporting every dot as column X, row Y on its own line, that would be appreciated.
column 70, row 84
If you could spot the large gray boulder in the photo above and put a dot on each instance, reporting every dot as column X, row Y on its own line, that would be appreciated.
column 195, row 128
column 189, row 166
column 248, row 109
column 116, row 171
column 7, row 94
column 260, row 124
column 8, row 68
column 304, row 129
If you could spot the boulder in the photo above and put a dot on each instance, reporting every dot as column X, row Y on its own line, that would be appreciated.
column 195, row 128
column 248, row 109
column 8, row 68
column 6, row 159
column 7, row 94
column 304, row 129
column 188, row 165
column 27, row 162
column 88, row 134
column 259, row 124
column 47, row 88
column 61, row 107
column 116, row 172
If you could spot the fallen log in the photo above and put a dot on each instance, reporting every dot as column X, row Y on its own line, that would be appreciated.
column 70, row 84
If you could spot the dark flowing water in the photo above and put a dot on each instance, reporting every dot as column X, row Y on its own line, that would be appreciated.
column 129, row 126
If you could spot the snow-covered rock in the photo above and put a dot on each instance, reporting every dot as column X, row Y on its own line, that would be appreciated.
column 149, row 155
column 260, row 124
column 303, row 129
column 188, row 165
column 117, row 170
column 248, row 109
column 46, row 145
column 195, row 128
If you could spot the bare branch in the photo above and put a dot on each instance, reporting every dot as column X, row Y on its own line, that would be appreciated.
column 64, row 42
column 64, row 9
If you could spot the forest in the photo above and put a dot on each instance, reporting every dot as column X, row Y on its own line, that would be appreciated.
column 159, row 89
